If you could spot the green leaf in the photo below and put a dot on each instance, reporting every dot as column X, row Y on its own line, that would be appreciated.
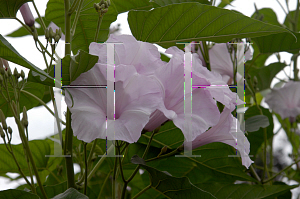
column 23, row 32
column 265, row 75
column 52, row 190
column 8, row 52
column 255, row 122
column 25, row 99
column 71, row 194
column 194, row 22
column 278, row 42
column 162, row 138
column 39, row 149
column 9, row 9
column 121, row 7
column 287, row 22
column 160, row 3
column 207, row 167
column 170, row 186
column 224, row 3
column 268, row 16
column 72, row 67
column 257, row 138
column 17, row 194
column 245, row 191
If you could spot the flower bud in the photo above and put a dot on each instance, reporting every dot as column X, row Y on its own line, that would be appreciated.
column 2, row 133
column 108, row 2
column 35, row 35
column 25, row 119
column 59, row 32
column 101, row 2
column 3, row 62
column 27, row 15
column 2, row 70
column 9, row 72
column 56, row 38
column 16, row 72
column 9, row 130
column 14, row 106
column 2, row 119
column 22, row 74
column 104, row 11
column 47, row 35
column 51, row 33
column 255, row 80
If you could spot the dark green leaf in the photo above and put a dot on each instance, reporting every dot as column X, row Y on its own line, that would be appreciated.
column 71, row 194
column 23, row 32
column 160, row 3
column 25, row 99
column 278, row 42
column 170, row 186
column 267, row 15
column 257, row 138
column 255, row 122
column 9, row 9
column 8, row 52
column 17, row 194
column 193, row 22
column 39, row 149
column 224, row 3
column 218, row 163
column 245, row 191
column 265, row 75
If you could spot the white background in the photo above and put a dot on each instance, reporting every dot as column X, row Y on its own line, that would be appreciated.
column 41, row 122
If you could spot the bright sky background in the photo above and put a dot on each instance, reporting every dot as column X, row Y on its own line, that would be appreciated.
column 41, row 122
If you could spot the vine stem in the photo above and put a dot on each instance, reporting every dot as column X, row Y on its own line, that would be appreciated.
column 72, row 31
column 43, row 103
column 41, row 19
column 98, row 27
column 28, row 151
column 142, row 191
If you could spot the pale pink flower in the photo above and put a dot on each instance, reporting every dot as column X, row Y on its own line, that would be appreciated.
column 227, row 131
column 204, row 109
column 286, row 100
column 136, row 95
column 27, row 15
column 221, row 62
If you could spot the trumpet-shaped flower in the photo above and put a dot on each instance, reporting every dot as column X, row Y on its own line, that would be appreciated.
column 227, row 131
column 204, row 109
column 286, row 100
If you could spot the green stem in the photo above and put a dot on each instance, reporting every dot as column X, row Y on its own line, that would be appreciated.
column 254, row 174
column 100, row 162
column 98, row 27
column 19, row 168
column 43, row 103
column 86, row 168
column 295, row 60
column 68, row 151
column 286, row 168
column 142, row 191
column 28, row 151
column 76, row 17
column 206, row 55
column 41, row 19
column 92, row 152
column 73, row 7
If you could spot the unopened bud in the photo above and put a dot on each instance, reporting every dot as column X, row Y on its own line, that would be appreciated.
column 16, row 72
column 22, row 74
column 101, row 2
column 25, row 119
column 59, row 32
column 9, row 130
column 27, row 15
column 4, row 63
column 47, row 33
column 102, row 6
column 14, row 106
column 51, row 33
column 2, row 133
column 2, row 119
column 9, row 72
column 2, row 71
column 35, row 35
column 56, row 38
column 108, row 2
column 104, row 11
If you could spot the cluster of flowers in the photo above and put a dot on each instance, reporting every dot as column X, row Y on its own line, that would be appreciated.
column 149, row 92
